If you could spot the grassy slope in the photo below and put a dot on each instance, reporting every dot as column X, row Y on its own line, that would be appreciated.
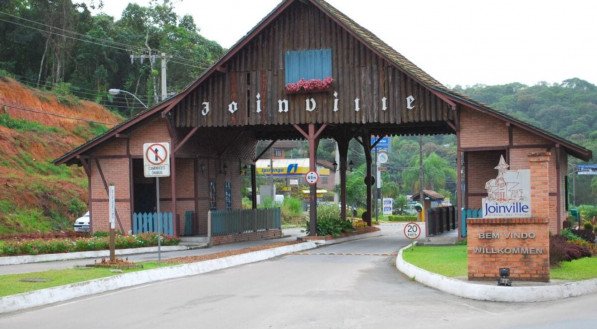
column 36, row 195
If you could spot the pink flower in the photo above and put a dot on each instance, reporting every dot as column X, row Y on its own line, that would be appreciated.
column 313, row 85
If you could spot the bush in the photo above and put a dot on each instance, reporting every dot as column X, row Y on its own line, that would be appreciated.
column 329, row 222
column 402, row 218
column 588, row 226
column 587, row 235
column 591, row 246
column 562, row 250
column 35, row 247
column 569, row 235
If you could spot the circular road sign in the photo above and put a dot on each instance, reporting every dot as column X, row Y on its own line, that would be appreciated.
column 382, row 157
column 156, row 154
column 312, row 177
column 412, row 230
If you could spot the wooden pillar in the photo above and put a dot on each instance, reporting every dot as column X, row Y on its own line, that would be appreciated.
column 369, row 180
column 253, row 186
column 343, row 153
column 313, row 138
column 173, row 192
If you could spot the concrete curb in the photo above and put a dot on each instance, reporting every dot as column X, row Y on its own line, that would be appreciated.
column 81, row 289
column 494, row 293
column 16, row 260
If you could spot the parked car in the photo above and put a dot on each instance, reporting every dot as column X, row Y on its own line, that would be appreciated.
column 82, row 223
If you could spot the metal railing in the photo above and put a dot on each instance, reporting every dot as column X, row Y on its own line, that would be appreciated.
column 225, row 222
column 468, row 213
column 148, row 222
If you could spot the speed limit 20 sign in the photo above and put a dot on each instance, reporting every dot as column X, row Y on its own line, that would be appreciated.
column 412, row 230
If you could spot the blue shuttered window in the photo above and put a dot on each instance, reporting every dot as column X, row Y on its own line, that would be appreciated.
column 308, row 64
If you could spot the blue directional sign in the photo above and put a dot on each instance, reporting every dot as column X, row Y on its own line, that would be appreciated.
column 588, row 169
column 383, row 145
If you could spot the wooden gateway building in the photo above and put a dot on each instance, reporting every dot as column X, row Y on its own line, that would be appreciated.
column 306, row 71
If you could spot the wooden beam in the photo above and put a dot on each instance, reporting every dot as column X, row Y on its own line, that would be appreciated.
column 233, row 142
column 185, row 139
column 265, row 150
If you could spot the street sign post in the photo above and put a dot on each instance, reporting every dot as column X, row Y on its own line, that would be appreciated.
column 412, row 230
column 112, row 217
column 312, row 177
column 156, row 163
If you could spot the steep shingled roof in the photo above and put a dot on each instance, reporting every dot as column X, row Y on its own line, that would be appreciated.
column 373, row 43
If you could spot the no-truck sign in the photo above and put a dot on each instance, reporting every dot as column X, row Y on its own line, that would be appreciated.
column 156, row 159
column 412, row 230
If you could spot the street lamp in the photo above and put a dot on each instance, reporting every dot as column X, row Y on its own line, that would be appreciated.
column 115, row 92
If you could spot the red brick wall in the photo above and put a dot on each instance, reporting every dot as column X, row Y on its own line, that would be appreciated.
column 116, row 171
column 526, row 267
column 479, row 130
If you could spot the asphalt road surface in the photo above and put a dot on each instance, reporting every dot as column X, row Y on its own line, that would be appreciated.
column 349, row 285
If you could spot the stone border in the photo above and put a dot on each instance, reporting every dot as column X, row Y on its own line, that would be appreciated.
column 25, row 259
column 46, row 296
column 495, row 293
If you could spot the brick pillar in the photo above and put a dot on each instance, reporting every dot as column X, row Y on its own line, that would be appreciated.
column 539, row 165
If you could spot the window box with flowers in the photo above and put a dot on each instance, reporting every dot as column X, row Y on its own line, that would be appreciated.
column 309, row 86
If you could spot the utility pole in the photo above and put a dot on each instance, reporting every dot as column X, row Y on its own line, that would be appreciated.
column 164, row 70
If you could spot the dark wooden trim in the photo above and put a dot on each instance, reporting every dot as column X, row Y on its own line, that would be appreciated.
column 131, row 182
column 233, row 142
column 443, row 98
column 196, row 194
column 559, row 189
column 264, row 150
column 116, row 156
column 185, row 139
column 106, row 200
column 459, row 192
column 553, row 194
column 476, row 193
column 122, row 136
column 89, row 202
column 253, row 187
column 484, row 148
column 466, row 176
column 527, row 146
column 178, row 199
column 99, row 169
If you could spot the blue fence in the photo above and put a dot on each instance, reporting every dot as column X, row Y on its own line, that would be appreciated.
column 468, row 213
column 148, row 222
column 225, row 222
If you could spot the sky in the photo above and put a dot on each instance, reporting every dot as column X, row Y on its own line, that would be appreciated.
column 458, row 42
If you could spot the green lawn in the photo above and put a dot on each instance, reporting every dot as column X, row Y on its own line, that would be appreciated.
column 580, row 269
column 445, row 260
column 13, row 283
column 451, row 261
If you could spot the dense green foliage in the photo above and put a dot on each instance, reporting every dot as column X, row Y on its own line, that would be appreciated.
column 40, row 246
column 329, row 222
column 80, row 55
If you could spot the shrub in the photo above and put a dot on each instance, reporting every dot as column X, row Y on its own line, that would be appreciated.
column 588, row 226
column 586, row 235
column 562, row 250
column 591, row 246
column 329, row 222
column 292, row 206
column 402, row 218
column 569, row 235
column 39, row 246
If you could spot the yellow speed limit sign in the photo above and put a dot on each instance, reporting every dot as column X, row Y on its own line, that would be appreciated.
column 412, row 230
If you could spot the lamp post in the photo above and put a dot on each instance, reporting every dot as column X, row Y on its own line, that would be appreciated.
column 115, row 92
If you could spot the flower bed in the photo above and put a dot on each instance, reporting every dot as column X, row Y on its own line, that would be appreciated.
column 309, row 86
column 52, row 246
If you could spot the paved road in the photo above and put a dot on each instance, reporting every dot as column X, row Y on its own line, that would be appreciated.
column 349, row 285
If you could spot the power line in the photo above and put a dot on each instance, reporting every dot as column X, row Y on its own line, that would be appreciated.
column 27, row 109
column 89, row 39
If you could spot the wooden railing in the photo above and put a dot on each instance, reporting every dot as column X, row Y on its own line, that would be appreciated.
column 440, row 220
column 468, row 213
column 148, row 222
column 225, row 222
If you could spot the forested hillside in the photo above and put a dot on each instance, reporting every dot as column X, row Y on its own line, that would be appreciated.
column 60, row 44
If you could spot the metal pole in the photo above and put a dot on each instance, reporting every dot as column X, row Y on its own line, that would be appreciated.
column 376, row 187
column 164, row 61
column 157, row 196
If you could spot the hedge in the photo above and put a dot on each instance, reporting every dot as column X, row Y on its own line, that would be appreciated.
column 51, row 246
column 402, row 218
